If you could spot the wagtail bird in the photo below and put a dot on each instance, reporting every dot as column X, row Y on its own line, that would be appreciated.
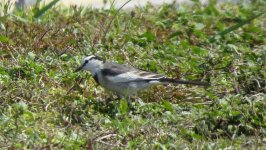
column 125, row 80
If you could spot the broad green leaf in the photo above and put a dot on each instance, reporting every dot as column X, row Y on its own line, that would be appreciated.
column 149, row 36
column 167, row 105
column 3, row 39
column 198, row 50
column 177, row 33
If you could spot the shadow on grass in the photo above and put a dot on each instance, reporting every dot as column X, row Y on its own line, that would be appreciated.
column 107, row 107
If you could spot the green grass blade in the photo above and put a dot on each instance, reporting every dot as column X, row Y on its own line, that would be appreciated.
column 236, row 26
column 19, row 18
column 3, row 18
column 109, row 25
column 45, row 8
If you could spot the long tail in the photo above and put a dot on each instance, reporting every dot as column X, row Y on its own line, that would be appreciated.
column 176, row 81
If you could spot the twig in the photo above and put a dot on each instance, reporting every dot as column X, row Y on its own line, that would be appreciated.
column 46, row 107
column 107, row 143
column 39, row 40
column 79, row 81
column 105, row 137
column 204, row 103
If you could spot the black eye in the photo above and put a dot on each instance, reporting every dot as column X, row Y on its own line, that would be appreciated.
column 86, row 61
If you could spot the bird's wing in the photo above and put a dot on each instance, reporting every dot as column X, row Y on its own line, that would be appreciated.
column 114, row 69
column 121, row 73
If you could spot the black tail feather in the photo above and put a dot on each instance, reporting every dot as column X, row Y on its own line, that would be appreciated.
column 177, row 81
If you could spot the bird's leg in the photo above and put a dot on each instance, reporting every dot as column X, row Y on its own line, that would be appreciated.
column 119, row 97
column 129, row 104
column 122, row 97
column 128, row 99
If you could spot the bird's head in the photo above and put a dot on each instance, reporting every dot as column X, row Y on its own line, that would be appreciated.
column 91, row 63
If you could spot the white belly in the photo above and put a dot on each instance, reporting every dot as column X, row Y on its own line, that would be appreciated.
column 125, row 88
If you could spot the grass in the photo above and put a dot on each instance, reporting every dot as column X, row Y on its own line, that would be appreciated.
column 43, row 104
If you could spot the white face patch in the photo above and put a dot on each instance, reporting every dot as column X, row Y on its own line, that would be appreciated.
column 92, row 63
column 89, row 57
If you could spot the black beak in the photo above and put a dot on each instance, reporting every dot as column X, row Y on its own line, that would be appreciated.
column 79, row 68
